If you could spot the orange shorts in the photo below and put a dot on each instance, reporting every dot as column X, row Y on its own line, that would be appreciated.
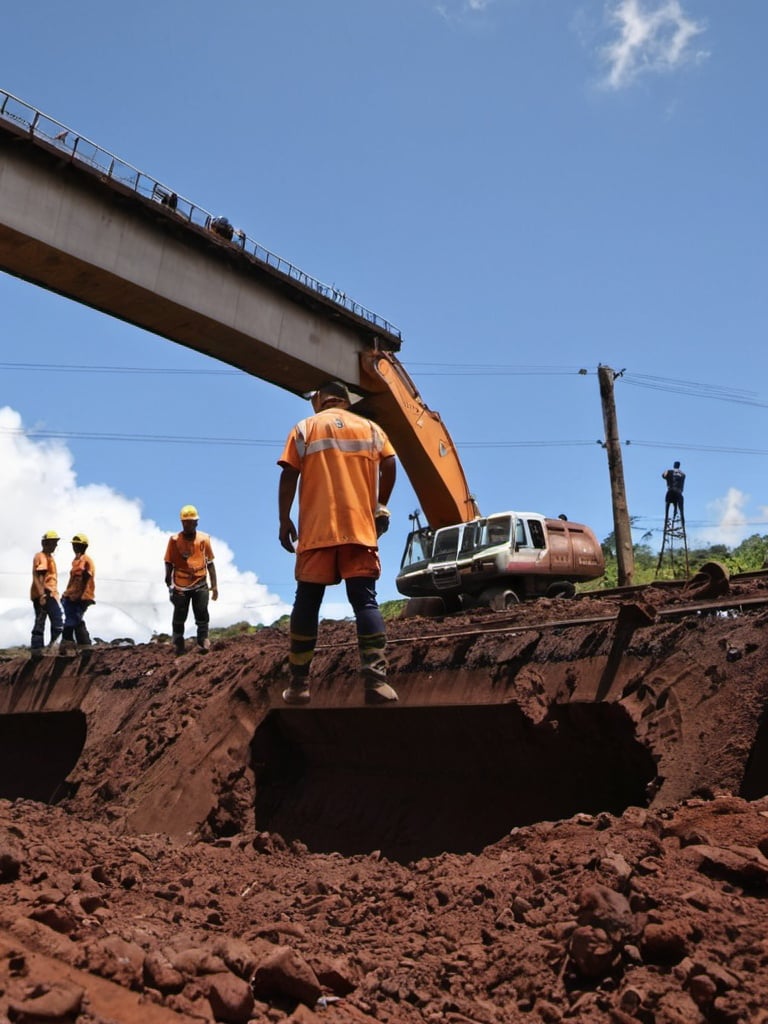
column 331, row 565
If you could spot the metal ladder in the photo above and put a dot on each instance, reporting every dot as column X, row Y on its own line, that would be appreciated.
column 669, row 558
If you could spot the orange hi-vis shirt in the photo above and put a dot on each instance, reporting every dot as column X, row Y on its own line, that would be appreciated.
column 82, row 580
column 45, row 563
column 189, row 557
column 337, row 454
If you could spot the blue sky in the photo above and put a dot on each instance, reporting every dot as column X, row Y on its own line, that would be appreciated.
column 525, row 187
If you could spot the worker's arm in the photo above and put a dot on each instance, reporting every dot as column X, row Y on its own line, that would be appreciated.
column 39, row 587
column 214, row 584
column 387, row 473
column 289, row 479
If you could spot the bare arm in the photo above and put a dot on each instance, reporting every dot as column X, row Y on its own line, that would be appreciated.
column 387, row 474
column 39, row 587
column 289, row 479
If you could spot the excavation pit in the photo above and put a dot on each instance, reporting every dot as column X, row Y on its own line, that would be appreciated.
column 37, row 753
column 414, row 782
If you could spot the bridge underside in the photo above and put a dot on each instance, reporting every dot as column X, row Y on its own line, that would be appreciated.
column 76, row 233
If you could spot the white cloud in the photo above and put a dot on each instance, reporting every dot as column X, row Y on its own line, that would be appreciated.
column 42, row 493
column 652, row 38
column 732, row 523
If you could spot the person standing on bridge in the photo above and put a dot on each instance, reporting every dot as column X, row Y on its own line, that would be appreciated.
column 675, row 478
column 188, row 564
column 78, row 597
column 45, row 595
column 347, row 470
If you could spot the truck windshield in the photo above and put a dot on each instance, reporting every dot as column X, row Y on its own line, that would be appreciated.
column 418, row 547
column 497, row 531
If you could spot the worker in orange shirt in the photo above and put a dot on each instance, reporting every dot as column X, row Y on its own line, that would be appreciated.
column 45, row 595
column 188, row 564
column 78, row 597
column 347, row 469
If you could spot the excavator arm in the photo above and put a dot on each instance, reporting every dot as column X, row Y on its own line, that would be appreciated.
column 423, row 445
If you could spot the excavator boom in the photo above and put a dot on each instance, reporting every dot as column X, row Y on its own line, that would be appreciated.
column 422, row 442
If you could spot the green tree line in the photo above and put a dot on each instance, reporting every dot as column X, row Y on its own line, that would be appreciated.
column 748, row 556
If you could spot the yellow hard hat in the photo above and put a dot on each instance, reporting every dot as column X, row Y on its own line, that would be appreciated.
column 189, row 512
column 80, row 538
column 51, row 535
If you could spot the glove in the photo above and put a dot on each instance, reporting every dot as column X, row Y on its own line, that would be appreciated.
column 171, row 592
column 381, row 517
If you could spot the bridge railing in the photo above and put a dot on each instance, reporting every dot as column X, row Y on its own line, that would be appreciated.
column 82, row 150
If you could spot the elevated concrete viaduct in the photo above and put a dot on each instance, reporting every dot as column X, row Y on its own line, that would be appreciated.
column 81, row 222
column 70, row 224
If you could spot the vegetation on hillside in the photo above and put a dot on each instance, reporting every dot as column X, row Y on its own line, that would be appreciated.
column 748, row 556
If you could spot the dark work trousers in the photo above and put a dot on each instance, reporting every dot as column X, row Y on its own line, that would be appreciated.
column 182, row 599
column 51, row 610
column 74, row 626
column 675, row 499
column 371, row 636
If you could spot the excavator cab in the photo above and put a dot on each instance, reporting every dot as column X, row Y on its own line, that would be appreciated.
column 419, row 546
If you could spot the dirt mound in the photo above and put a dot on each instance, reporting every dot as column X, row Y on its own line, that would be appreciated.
column 563, row 819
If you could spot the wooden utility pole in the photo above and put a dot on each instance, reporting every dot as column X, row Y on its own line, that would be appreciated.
column 625, row 557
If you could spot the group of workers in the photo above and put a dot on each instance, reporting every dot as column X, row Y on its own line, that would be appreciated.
column 78, row 596
column 343, row 466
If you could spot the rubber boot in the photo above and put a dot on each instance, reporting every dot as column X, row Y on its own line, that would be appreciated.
column 374, row 669
column 178, row 643
column 297, row 691
column 67, row 647
column 82, row 636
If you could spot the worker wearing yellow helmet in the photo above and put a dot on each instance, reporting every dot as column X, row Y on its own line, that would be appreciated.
column 78, row 597
column 45, row 595
column 188, row 565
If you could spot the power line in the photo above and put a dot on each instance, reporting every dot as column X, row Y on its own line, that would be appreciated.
column 679, row 446
column 74, row 368
column 254, row 442
column 694, row 389
column 94, row 435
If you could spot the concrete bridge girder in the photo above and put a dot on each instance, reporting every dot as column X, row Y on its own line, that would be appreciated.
column 86, row 238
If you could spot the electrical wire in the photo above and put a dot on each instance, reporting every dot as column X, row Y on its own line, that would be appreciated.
column 694, row 389
column 253, row 442
column 75, row 368
column 93, row 435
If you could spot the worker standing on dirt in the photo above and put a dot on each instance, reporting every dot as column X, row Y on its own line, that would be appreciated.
column 188, row 564
column 45, row 595
column 78, row 597
column 675, row 478
column 347, row 469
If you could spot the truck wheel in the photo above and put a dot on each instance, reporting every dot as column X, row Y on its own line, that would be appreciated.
column 429, row 607
column 563, row 588
column 500, row 599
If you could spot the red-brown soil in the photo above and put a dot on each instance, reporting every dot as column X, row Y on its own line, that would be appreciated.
column 558, row 822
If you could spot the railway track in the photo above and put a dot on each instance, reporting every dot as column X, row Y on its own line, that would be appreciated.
column 712, row 580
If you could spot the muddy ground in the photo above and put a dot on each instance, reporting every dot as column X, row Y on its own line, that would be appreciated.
column 563, row 820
